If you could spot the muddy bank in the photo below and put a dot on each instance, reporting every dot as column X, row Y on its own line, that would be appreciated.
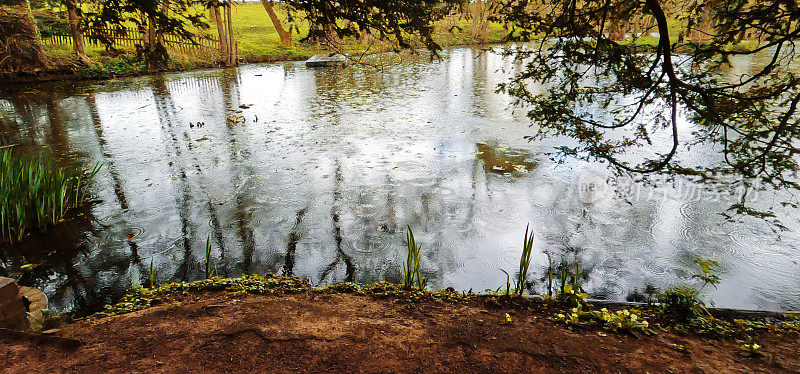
column 298, row 330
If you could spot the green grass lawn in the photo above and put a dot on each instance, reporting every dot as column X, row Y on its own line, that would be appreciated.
column 259, row 41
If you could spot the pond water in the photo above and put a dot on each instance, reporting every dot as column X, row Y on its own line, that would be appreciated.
column 317, row 173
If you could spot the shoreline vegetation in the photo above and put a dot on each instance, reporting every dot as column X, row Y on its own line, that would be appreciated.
column 675, row 321
column 258, row 42
column 284, row 324
column 140, row 298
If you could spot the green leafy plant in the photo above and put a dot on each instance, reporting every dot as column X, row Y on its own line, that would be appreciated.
column 571, row 294
column 36, row 192
column 508, row 283
column 524, row 262
column 623, row 321
column 681, row 304
column 750, row 350
column 572, row 297
column 575, row 316
column 563, row 278
column 708, row 268
column 411, row 266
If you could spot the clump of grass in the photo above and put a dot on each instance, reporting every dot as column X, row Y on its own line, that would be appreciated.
column 36, row 192
column 681, row 304
column 411, row 266
column 524, row 262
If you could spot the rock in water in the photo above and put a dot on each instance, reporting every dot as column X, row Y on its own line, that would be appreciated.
column 13, row 313
column 326, row 60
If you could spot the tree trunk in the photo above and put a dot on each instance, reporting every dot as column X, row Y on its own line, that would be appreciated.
column 155, row 54
column 152, row 38
column 286, row 38
column 216, row 16
column 159, row 33
column 78, row 43
column 479, row 24
column 30, row 25
column 22, row 49
column 615, row 30
column 233, row 60
column 703, row 31
column 150, row 44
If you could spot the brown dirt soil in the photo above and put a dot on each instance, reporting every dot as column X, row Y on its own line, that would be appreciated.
column 350, row 333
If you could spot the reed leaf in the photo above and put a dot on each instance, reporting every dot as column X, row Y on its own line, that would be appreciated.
column 524, row 261
column 34, row 192
column 411, row 267
column 208, row 257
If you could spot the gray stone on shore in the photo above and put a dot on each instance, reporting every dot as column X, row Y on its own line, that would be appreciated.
column 326, row 60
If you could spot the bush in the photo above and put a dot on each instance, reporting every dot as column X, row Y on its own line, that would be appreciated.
column 681, row 304
column 51, row 22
